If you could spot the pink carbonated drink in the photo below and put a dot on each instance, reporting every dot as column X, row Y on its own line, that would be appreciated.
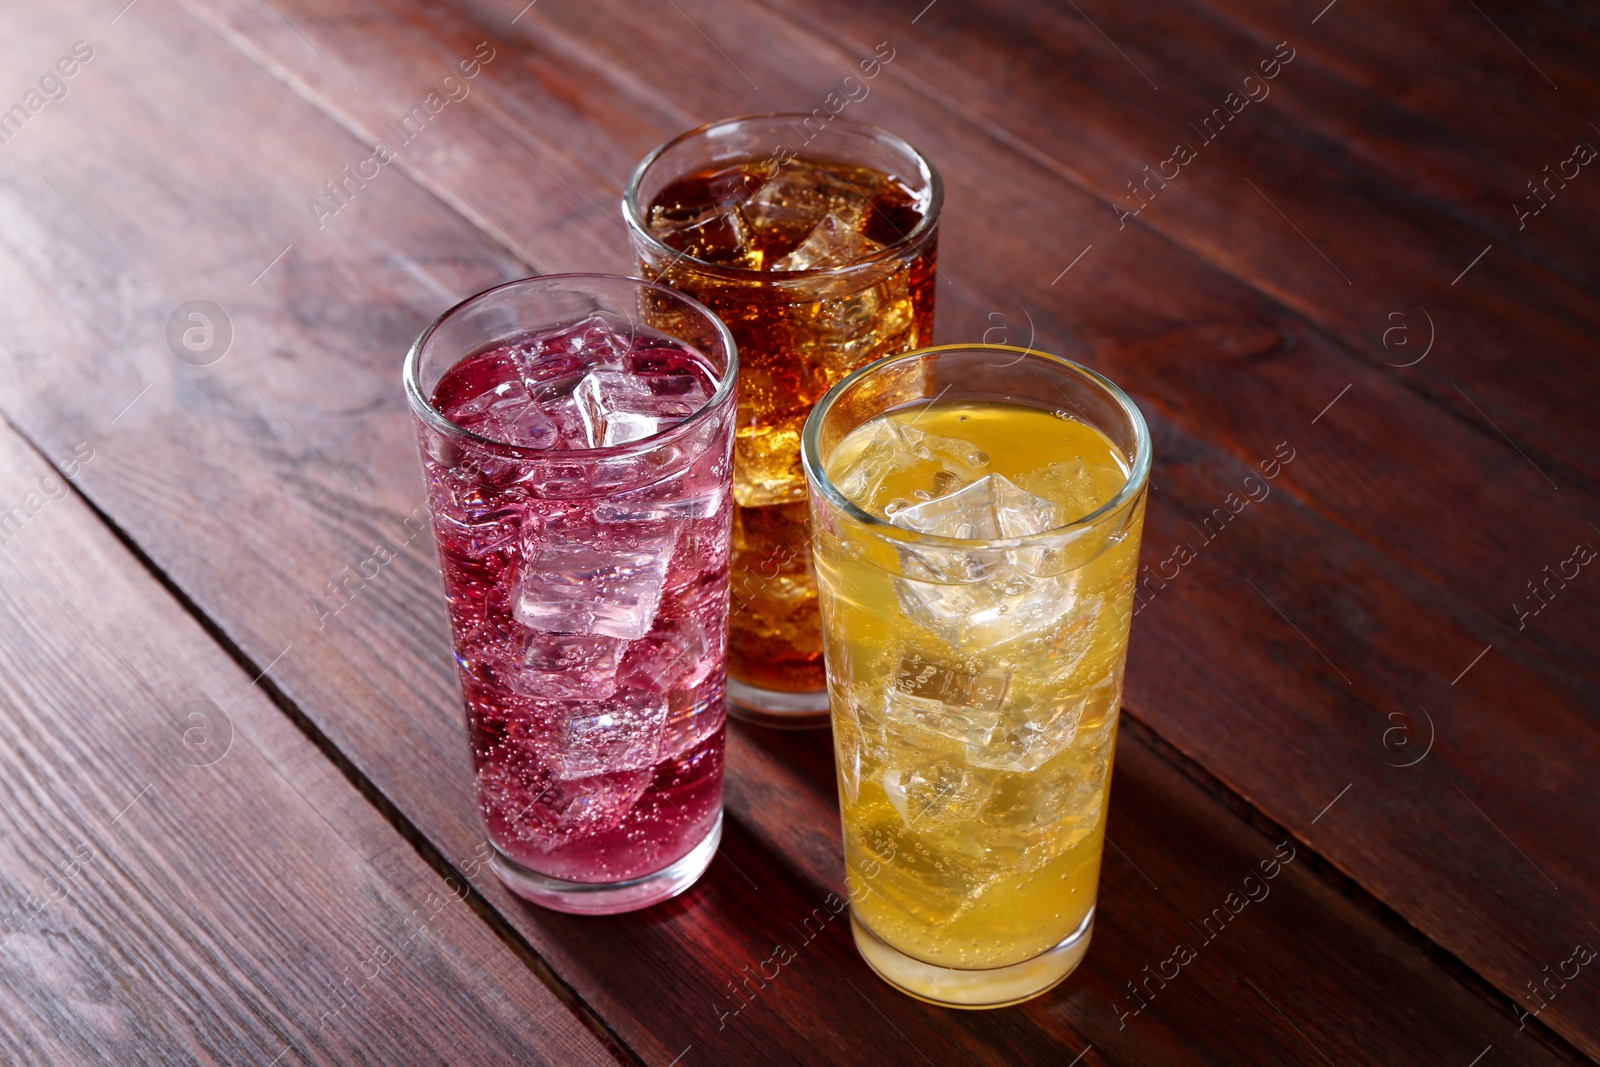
column 583, row 521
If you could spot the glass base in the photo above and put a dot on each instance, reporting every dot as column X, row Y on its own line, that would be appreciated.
column 609, row 898
column 952, row 987
column 783, row 711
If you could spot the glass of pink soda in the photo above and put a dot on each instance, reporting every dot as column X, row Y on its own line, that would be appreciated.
column 576, row 434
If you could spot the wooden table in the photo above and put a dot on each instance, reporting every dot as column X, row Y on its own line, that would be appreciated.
column 234, row 791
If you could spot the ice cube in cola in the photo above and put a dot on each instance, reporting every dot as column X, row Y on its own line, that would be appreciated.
column 589, row 613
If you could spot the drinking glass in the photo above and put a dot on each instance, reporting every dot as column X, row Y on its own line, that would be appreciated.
column 976, row 513
column 576, row 437
column 814, row 241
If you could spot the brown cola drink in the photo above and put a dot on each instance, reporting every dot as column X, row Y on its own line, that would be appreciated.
column 815, row 244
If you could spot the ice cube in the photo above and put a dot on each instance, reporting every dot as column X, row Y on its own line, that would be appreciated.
column 690, row 722
column 1069, row 485
column 849, row 329
column 566, row 666
column 766, row 466
column 474, row 410
column 950, row 612
column 588, row 806
column 678, row 497
column 1066, row 806
column 1029, row 828
column 891, row 448
column 677, row 393
column 678, row 657
column 921, row 678
column 621, row 734
column 694, row 589
column 792, row 202
column 613, row 406
column 1064, row 718
column 938, row 794
column 618, row 407
column 605, row 585
column 475, row 519
column 930, row 697
column 550, row 813
column 596, row 341
column 989, row 508
column 1028, row 737
column 568, row 420
column 956, row 459
column 834, row 243
column 508, row 795
column 1065, row 658
column 782, row 207
column 968, row 513
column 1004, row 605
column 1019, row 513
column 509, row 414
column 980, row 595
column 717, row 234
column 796, row 200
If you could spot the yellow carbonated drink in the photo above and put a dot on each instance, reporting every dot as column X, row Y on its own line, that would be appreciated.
column 976, row 597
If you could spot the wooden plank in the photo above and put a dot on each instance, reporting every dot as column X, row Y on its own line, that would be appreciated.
column 301, row 429
column 183, row 877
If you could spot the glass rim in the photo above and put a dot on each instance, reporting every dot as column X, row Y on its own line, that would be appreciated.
column 1138, row 473
column 423, row 407
column 633, row 214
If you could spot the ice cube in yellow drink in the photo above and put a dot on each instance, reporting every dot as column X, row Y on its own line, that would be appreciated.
column 975, row 686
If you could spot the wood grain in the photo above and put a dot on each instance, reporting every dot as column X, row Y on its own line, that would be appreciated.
column 183, row 877
column 258, row 480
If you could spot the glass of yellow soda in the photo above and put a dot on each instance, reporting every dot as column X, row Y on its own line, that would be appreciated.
column 976, row 512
